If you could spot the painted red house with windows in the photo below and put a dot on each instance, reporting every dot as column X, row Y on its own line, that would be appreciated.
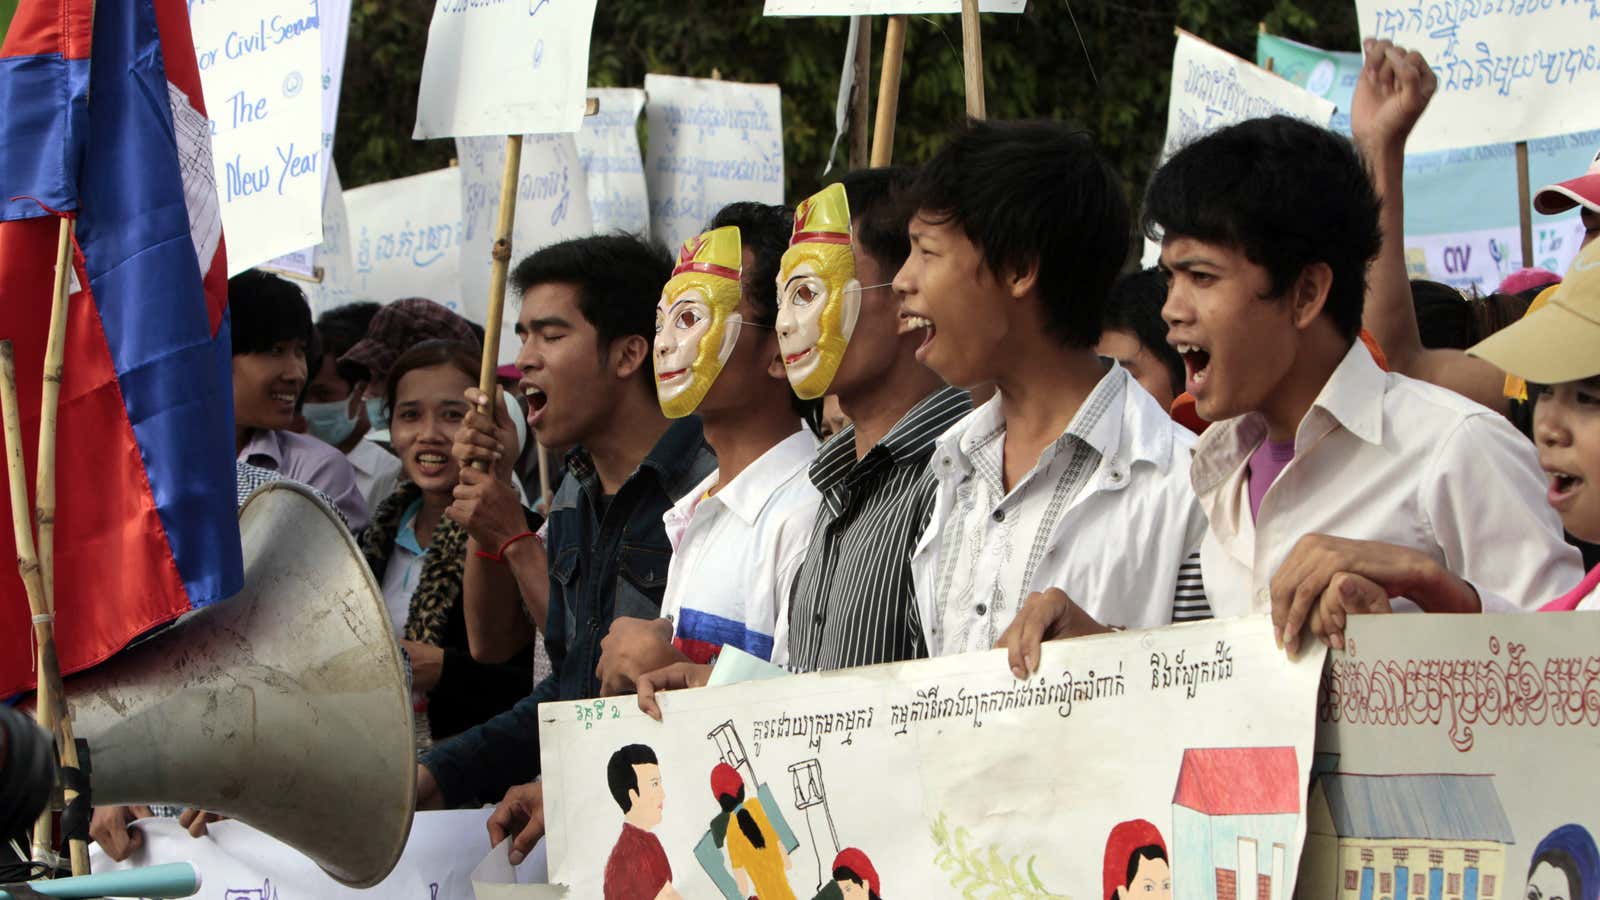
column 1235, row 814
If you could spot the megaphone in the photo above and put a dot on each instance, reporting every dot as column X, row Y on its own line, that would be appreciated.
column 284, row 707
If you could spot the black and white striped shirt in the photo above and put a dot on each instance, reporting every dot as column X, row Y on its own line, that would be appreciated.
column 854, row 603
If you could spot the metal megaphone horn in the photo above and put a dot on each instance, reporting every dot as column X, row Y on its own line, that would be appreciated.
column 284, row 707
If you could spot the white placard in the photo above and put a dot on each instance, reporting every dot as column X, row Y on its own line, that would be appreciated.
column 505, row 67
column 608, row 145
column 1480, row 260
column 405, row 239
column 1508, row 71
column 1212, row 89
column 949, row 775
column 237, row 862
column 711, row 143
column 336, row 287
column 552, row 206
column 883, row 7
column 260, row 68
column 335, row 15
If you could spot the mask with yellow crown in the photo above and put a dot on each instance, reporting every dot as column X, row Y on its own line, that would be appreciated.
column 697, row 320
column 819, row 297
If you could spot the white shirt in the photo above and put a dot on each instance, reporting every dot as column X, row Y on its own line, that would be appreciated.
column 1106, row 515
column 404, row 570
column 735, row 554
column 1383, row 457
column 377, row 471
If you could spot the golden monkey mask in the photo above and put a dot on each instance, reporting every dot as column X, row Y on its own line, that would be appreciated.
column 697, row 320
column 819, row 297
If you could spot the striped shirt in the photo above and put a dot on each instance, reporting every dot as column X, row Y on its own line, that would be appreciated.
column 854, row 603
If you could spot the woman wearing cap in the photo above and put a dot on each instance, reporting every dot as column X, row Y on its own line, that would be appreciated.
column 755, row 853
column 1135, row 866
column 418, row 554
column 854, row 878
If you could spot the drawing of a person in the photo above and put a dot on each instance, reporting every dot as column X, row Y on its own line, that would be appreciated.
column 638, row 868
column 1565, row 866
column 1136, row 865
column 755, row 853
column 854, row 878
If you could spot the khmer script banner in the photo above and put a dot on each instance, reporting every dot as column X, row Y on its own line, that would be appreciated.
column 1168, row 763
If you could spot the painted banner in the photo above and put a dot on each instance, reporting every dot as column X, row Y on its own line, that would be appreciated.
column 1212, row 89
column 1515, row 70
column 711, row 143
column 1454, row 761
column 405, row 239
column 552, row 206
column 1457, row 201
column 883, row 7
column 237, row 862
column 502, row 67
column 260, row 68
column 608, row 147
column 1127, row 755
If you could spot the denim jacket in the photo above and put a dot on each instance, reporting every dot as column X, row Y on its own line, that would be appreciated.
column 601, row 566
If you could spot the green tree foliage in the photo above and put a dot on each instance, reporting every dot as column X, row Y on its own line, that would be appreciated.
column 1100, row 64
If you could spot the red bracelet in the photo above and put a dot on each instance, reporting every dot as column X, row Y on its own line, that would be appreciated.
column 500, row 556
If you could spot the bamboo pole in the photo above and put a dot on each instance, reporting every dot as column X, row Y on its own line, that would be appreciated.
column 861, row 93
column 1524, row 203
column 972, row 58
column 46, row 669
column 500, row 263
column 45, row 499
column 894, row 48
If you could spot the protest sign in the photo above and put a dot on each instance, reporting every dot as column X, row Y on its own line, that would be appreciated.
column 949, row 777
column 1507, row 71
column 238, row 862
column 335, row 16
column 504, row 68
column 260, row 67
column 406, row 237
column 883, row 7
column 335, row 285
column 1453, row 754
column 1212, row 89
column 608, row 146
column 552, row 206
column 1461, row 205
column 711, row 143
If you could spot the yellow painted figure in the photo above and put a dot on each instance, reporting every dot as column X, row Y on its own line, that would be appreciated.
column 697, row 320
column 762, row 868
column 819, row 296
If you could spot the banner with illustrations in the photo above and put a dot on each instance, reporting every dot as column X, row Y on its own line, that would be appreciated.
column 1126, row 767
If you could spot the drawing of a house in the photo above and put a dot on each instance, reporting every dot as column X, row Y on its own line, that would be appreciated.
column 1234, row 817
column 1405, row 837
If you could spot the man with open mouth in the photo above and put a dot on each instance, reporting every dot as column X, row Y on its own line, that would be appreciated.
column 1267, row 229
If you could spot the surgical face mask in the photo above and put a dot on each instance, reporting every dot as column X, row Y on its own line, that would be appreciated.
column 330, row 423
column 376, row 414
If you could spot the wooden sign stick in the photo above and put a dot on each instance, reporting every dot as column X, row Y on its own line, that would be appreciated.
column 861, row 93
column 972, row 58
column 894, row 48
column 499, row 266
column 1524, row 204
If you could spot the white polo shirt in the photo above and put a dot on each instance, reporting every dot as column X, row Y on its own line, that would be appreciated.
column 735, row 554
column 1383, row 457
column 1106, row 515
column 377, row 471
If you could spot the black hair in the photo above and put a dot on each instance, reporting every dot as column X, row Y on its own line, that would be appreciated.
column 1135, row 305
column 765, row 230
column 1561, row 859
column 747, row 822
column 1286, row 194
column 879, row 214
column 618, row 276
column 1444, row 316
column 1035, row 194
column 266, row 310
column 845, row 873
column 339, row 329
column 1148, row 851
column 436, row 352
column 621, row 777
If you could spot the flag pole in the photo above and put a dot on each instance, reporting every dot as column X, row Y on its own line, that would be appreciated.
column 45, row 497
column 894, row 48
column 47, row 673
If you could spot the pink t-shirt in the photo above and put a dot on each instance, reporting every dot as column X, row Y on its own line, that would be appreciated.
column 1570, row 600
column 1265, row 464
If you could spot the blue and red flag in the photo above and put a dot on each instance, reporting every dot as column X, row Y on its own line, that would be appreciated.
column 117, row 138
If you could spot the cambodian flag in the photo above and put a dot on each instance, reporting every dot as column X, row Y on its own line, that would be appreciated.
column 119, row 139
